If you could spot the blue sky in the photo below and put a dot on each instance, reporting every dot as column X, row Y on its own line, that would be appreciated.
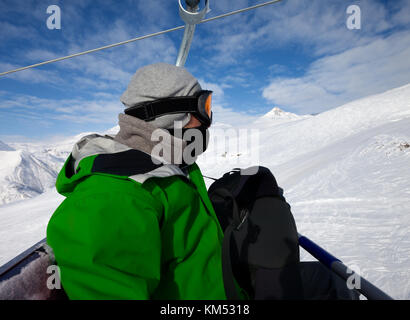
column 298, row 55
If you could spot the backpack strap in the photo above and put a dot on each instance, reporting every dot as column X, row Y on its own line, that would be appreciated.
column 227, row 272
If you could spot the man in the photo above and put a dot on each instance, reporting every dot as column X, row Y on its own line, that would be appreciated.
column 137, row 222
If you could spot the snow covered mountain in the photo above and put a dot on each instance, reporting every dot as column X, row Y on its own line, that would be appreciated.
column 277, row 115
column 30, row 169
column 345, row 172
column 22, row 176
column 5, row 147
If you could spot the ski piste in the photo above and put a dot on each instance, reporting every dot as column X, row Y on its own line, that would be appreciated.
column 192, row 16
column 364, row 287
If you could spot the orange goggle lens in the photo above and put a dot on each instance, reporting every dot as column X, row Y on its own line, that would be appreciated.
column 208, row 105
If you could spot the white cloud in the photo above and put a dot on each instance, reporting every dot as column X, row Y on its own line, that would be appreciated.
column 278, row 69
column 349, row 64
column 318, row 27
column 16, row 139
column 221, row 113
column 401, row 15
column 111, row 68
column 151, row 10
column 218, row 92
column 227, row 6
column 335, row 79
column 100, row 110
column 231, row 117
column 30, row 75
column 10, row 31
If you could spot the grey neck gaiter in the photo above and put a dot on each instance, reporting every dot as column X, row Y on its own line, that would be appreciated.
column 143, row 136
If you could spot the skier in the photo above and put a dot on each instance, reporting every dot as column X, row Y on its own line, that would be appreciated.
column 134, row 227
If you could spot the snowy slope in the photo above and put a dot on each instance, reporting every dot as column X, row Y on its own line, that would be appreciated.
column 29, row 169
column 353, row 197
column 23, row 175
column 22, row 224
column 345, row 173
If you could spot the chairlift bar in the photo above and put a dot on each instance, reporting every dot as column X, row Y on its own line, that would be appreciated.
column 370, row 291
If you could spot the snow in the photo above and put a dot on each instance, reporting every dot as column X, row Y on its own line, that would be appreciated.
column 32, row 168
column 23, row 223
column 277, row 115
column 5, row 147
column 345, row 173
column 353, row 198
column 23, row 175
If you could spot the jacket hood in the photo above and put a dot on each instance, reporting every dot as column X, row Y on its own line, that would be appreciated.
column 102, row 155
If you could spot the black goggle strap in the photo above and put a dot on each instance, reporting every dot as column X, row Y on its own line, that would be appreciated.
column 150, row 110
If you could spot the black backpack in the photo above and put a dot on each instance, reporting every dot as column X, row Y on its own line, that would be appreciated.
column 261, row 246
column 260, row 234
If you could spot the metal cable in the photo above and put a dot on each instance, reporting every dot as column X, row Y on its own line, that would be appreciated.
column 136, row 39
column 240, row 11
column 91, row 51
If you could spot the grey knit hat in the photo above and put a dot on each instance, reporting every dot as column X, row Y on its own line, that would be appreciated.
column 161, row 80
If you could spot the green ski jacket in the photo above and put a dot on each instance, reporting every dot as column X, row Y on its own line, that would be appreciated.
column 130, row 229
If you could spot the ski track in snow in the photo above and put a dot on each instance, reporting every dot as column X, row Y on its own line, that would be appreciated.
column 345, row 173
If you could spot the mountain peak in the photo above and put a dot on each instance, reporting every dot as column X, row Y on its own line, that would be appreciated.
column 277, row 114
column 277, row 111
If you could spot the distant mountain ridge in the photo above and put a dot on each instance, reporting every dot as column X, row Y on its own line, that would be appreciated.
column 5, row 147
column 23, row 176
column 30, row 169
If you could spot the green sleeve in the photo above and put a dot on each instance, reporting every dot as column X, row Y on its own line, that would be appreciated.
column 107, row 245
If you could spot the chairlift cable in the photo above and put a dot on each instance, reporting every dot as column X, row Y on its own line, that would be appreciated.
column 138, row 38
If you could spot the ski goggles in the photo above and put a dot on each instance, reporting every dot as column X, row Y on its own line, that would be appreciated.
column 200, row 105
